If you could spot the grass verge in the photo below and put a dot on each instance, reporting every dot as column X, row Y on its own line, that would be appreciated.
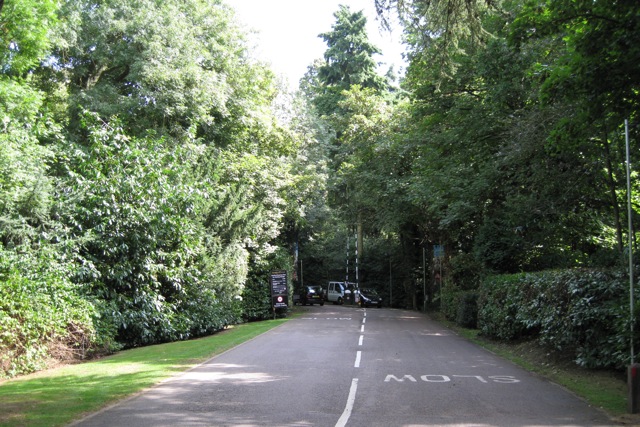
column 604, row 389
column 58, row 396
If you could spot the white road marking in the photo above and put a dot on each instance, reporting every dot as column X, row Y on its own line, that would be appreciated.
column 349, row 407
column 358, row 356
column 362, row 328
column 499, row 379
column 361, row 338
column 364, row 320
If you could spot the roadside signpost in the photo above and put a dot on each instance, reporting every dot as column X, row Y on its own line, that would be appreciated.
column 279, row 292
column 633, row 379
column 438, row 257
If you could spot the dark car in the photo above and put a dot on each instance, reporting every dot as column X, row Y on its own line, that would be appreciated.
column 370, row 298
column 312, row 295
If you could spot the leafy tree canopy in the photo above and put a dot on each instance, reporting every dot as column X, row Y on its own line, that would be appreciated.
column 25, row 28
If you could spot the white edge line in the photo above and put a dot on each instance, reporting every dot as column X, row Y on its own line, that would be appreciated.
column 349, row 407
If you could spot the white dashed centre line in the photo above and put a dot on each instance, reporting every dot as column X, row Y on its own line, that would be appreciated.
column 349, row 407
column 344, row 418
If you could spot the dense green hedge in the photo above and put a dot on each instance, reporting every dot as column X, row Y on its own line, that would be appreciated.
column 256, row 299
column 583, row 313
column 41, row 314
column 460, row 306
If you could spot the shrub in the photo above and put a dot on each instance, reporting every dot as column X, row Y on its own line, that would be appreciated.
column 256, row 295
column 460, row 306
column 583, row 313
column 467, row 314
column 449, row 305
column 498, row 307
column 466, row 272
column 256, row 300
column 41, row 314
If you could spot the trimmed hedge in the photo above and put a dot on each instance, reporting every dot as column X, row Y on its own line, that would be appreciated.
column 460, row 306
column 584, row 313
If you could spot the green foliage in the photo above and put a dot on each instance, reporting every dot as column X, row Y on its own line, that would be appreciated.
column 25, row 187
column 256, row 294
column 450, row 297
column 466, row 271
column 177, row 67
column 42, row 314
column 142, row 246
column 597, row 64
column 467, row 314
column 256, row 299
column 460, row 306
column 25, row 27
column 498, row 308
column 348, row 61
column 177, row 172
column 583, row 313
column 440, row 31
column 145, row 153
column 488, row 158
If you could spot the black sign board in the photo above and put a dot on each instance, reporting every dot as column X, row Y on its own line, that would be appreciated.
column 279, row 293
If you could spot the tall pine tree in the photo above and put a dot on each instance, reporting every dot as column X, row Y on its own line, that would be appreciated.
column 348, row 61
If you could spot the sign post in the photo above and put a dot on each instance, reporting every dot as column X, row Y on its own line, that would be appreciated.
column 633, row 381
column 438, row 256
column 279, row 292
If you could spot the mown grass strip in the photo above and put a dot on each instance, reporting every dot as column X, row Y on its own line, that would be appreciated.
column 58, row 396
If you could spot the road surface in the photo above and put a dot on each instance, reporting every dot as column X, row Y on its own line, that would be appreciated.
column 345, row 366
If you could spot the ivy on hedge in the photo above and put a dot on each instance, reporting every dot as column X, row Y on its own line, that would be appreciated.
column 583, row 313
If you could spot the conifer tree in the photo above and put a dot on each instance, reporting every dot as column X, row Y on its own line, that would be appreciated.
column 348, row 60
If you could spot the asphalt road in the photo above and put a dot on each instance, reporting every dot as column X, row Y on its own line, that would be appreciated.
column 345, row 366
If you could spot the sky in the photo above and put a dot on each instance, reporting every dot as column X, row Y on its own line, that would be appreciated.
column 287, row 32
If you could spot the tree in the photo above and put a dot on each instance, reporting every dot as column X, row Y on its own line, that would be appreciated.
column 598, row 64
column 348, row 60
column 172, row 174
column 24, row 184
column 595, row 76
column 439, row 31
column 41, row 310
column 25, row 28
column 179, row 68
column 486, row 170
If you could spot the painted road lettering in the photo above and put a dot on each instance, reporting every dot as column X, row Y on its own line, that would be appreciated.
column 436, row 378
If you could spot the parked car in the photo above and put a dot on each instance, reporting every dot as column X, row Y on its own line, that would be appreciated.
column 312, row 295
column 370, row 298
column 339, row 292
